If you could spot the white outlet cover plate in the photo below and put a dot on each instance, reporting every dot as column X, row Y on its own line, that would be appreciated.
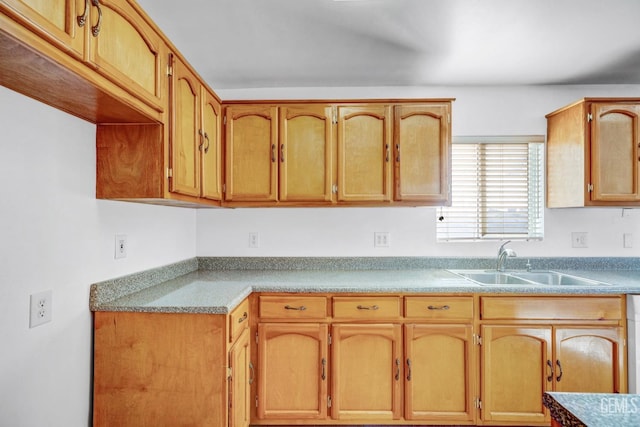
column 120, row 247
column 41, row 308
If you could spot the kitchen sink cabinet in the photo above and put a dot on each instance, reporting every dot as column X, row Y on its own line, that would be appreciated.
column 574, row 344
column 422, row 158
column 593, row 153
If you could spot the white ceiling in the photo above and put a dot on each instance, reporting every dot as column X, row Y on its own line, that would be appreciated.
column 326, row 43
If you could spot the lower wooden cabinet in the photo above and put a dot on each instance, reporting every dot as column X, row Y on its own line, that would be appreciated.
column 240, row 379
column 367, row 372
column 292, row 371
column 439, row 383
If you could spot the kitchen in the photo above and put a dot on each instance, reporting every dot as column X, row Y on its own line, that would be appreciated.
column 59, row 237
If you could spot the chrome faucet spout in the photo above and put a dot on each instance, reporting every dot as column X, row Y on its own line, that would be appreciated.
column 503, row 253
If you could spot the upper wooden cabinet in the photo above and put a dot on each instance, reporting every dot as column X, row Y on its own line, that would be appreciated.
column 176, row 164
column 422, row 159
column 364, row 153
column 593, row 153
column 101, row 59
column 306, row 153
column 279, row 153
column 251, row 148
column 351, row 153
column 126, row 49
column 60, row 22
column 195, row 123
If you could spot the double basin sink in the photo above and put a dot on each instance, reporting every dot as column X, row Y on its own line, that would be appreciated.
column 544, row 278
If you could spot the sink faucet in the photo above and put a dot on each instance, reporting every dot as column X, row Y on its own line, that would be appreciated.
column 503, row 253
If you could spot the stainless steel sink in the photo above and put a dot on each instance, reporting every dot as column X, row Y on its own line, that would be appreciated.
column 493, row 278
column 545, row 278
column 557, row 279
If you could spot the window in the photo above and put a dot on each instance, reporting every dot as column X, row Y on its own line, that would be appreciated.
column 497, row 190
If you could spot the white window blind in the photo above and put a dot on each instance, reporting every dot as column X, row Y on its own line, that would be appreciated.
column 497, row 190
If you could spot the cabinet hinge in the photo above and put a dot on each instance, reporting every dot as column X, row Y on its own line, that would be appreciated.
column 256, row 400
column 229, row 373
column 169, row 173
column 589, row 117
column 334, row 188
column 328, row 401
column 329, row 339
column 478, row 403
column 169, row 70
column 590, row 188
column 224, row 188
column 477, row 339
column 224, row 120
column 334, row 116
column 256, row 332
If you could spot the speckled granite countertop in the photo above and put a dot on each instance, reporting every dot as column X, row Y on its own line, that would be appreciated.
column 217, row 285
column 594, row 409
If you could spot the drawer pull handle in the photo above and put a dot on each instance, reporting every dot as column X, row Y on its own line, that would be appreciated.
column 301, row 308
column 550, row 376
column 368, row 307
column 438, row 307
column 273, row 153
column 253, row 373
column 408, row 369
column 397, row 369
column 244, row 317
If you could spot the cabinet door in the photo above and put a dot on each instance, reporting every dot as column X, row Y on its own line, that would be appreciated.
column 589, row 360
column 292, row 371
column 515, row 373
column 239, row 382
column 422, row 153
column 126, row 50
column 366, row 371
column 615, row 140
column 251, row 153
column 211, row 151
column 439, row 376
column 306, row 153
column 186, row 140
column 61, row 22
column 364, row 153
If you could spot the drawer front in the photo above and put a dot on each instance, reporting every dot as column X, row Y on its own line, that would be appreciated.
column 239, row 320
column 551, row 308
column 439, row 308
column 366, row 308
column 293, row 307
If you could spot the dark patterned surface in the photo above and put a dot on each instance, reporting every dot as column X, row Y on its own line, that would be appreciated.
column 594, row 409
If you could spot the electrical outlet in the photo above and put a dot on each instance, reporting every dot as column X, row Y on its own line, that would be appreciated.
column 579, row 239
column 254, row 240
column 41, row 308
column 121, row 246
column 381, row 239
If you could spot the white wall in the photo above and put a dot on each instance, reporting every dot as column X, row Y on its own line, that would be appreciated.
column 56, row 235
column 349, row 231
